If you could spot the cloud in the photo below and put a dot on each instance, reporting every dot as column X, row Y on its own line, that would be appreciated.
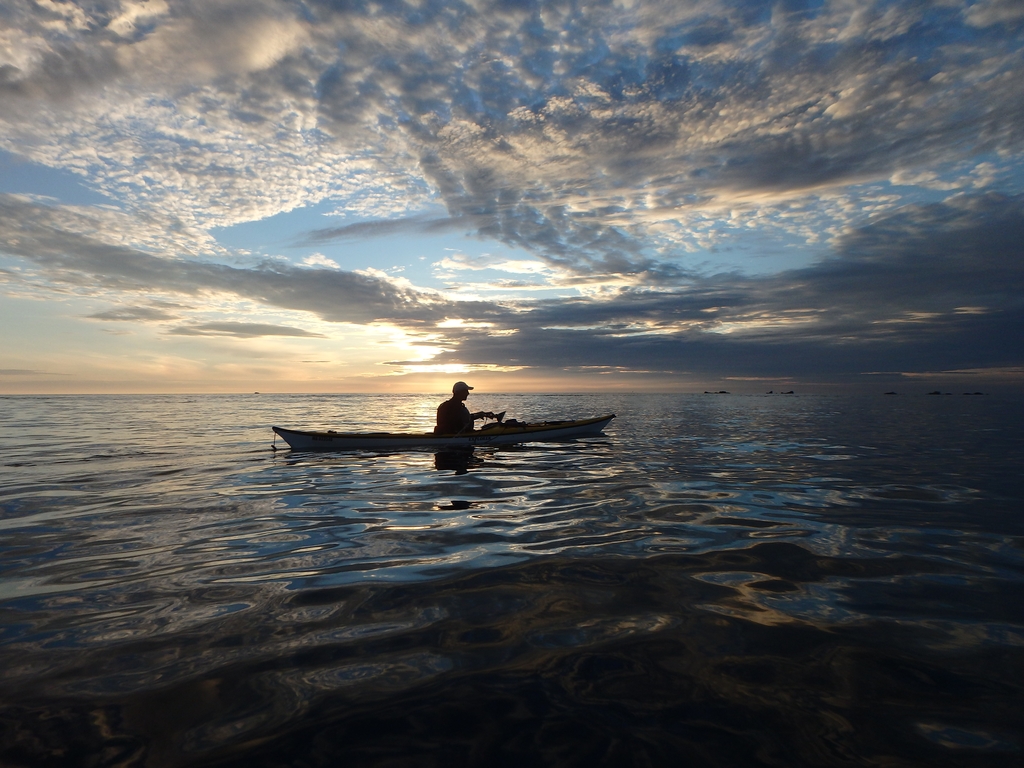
column 132, row 314
column 26, row 372
column 571, row 154
column 592, row 139
column 319, row 260
column 217, row 39
column 624, row 149
column 384, row 228
column 241, row 330
column 1015, row 373
column 942, row 263
column 47, row 237
column 460, row 262
column 135, row 15
column 941, row 282
column 987, row 13
column 928, row 288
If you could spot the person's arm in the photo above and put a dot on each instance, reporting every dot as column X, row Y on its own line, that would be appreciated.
column 481, row 415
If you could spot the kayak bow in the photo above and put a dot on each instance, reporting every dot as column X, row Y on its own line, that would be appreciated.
column 493, row 434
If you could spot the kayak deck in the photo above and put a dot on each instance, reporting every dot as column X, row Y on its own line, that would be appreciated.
column 493, row 434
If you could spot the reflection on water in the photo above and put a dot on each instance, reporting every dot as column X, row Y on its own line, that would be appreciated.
column 719, row 580
column 459, row 461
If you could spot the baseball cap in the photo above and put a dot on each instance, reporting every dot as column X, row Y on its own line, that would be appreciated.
column 460, row 385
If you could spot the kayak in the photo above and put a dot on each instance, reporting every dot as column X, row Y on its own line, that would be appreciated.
column 492, row 434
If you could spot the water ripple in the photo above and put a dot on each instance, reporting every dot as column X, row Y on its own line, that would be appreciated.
column 799, row 581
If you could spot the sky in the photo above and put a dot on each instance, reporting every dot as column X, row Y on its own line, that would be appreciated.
column 346, row 196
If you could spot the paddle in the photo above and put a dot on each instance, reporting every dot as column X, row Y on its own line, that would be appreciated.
column 489, row 415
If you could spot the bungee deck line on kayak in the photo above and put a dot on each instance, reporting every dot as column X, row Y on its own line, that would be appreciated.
column 498, row 434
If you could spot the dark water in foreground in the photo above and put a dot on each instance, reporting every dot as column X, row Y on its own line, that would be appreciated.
column 721, row 580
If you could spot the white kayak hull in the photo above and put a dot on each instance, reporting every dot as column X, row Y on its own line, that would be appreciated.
column 499, row 434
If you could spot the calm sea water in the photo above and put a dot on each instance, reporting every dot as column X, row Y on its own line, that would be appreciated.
column 720, row 580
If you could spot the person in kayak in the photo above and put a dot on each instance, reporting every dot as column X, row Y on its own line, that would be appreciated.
column 453, row 416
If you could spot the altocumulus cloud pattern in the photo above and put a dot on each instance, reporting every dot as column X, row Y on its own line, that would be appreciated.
column 761, row 191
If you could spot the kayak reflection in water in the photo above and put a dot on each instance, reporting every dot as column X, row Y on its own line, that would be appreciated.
column 459, row 462
column 453, row 417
